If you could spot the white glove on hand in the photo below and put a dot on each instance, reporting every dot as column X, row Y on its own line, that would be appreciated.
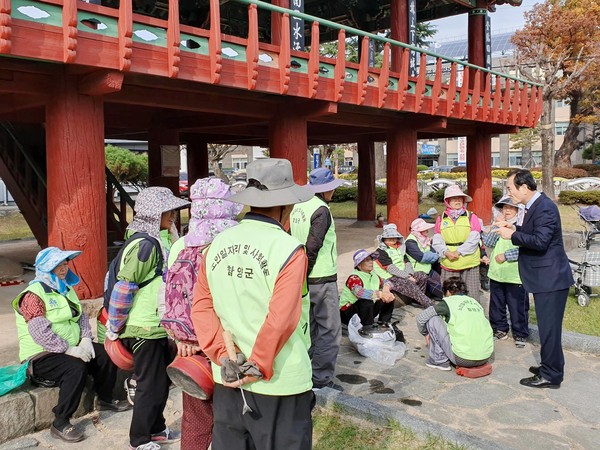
column 78, row 352
column 111, row 335
column 86, row 344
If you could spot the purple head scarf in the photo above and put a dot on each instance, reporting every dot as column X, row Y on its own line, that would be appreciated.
column 211, row 211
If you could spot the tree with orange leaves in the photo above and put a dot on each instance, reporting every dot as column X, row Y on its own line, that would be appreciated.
column 558, row 47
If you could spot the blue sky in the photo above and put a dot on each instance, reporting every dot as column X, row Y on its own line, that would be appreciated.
column 506, row 18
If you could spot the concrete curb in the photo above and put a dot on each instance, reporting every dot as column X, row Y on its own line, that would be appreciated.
column 571, row 341
column 359, row 407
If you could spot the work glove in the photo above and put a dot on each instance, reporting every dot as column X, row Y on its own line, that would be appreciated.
column 429, row 257
column 111, row 335
column 230, row 370
column 250, row 369
column 86, row 344
column 78, row 352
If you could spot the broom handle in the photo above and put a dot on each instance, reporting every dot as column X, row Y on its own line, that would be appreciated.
column 229, row 345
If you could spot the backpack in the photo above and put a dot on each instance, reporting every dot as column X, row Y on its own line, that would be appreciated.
column 179, row 292
column 115, row 265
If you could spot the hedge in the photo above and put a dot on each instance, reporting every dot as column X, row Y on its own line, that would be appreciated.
column 421, row 167
column 569, row 172
column 350, row 194
column 586, row 198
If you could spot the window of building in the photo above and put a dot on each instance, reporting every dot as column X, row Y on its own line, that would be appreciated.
column 561, row 103
column 560, row 128
column 452, row 159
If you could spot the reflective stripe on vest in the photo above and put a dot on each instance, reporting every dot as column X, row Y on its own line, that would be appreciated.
column 470, row 332
column 370, row 281
column 417, row 265
column 456, row 233
column 397, row 257
column 326, row 264
column 508, row 271
column 58, row 312
column 242, row 265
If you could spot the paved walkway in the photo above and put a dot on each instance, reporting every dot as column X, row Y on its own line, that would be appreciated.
column 491, row 412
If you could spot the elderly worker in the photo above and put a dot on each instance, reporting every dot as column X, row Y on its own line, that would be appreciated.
column 367, row 295
column 251, row 283
column 56, row 338
column 423, row 259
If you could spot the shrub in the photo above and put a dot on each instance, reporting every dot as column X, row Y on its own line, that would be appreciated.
column 421, row 167
column 572, row 197
column 459, row 169
column 496, row 194
column 593, row 170
column 447, row 175
column 348, row 176
column 569, row 172
column 345, row 194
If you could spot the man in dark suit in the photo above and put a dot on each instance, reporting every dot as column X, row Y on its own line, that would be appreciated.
column 544, row 270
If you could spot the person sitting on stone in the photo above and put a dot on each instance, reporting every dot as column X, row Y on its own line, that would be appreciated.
column 456, row 330
column 56, row 338
column 366, row 294
column 391, row 265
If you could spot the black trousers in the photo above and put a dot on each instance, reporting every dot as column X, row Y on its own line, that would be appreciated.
column 150, row 360
column 513, row 296
column 367, row 310
column 550, row 309
column 276, row 423
column 70, row 374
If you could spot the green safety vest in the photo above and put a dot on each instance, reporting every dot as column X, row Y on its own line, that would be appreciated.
column 59, row 311
column 508, row 271
column 370, row 281
column 242, row 265
column 144, row 310
column 470, row 332
column 326, row 264
column 417, row 265
column 397, row 257
column 455, row 234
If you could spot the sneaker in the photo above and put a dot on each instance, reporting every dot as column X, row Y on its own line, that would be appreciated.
column 500, row 335
column 167, row 436
column 147, row 446
column 445, row 366
column 67, row 434
column 113, row 405
column 330, row 385
column 130, row 386
column 520, row 342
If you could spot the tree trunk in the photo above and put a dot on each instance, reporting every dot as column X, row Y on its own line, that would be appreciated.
column 527, row 157
column 562, row 158
column 219, row 172
column 547, row 138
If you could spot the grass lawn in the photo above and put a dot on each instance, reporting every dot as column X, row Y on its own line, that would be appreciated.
column 334, row 430
column 584, row 320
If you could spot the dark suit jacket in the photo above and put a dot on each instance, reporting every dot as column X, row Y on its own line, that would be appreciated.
column 543, row 263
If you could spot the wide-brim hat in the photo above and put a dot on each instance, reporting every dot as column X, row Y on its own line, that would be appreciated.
column 193, row 375
column 47, row 259
column 322, row 180
column 390, row 231
column 119, row 355
column 506, row 200
column 455, row 191
column 158, row 198
column 362, row 254
column 271, row 183
column 419, row 225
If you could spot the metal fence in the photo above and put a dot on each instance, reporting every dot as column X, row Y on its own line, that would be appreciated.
column 5, row 197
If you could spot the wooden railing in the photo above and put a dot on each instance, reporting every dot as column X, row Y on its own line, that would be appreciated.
column 75, row 32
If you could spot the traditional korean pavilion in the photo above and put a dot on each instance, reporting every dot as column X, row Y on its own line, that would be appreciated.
column 247, row 72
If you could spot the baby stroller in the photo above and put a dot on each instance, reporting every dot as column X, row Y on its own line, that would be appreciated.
column 587, row 272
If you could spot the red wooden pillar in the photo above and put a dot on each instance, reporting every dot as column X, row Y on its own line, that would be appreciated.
column 399, row 30
column 288, row 139
column 163, row 159
column 76, row 181
column 479, row 175
column 477, row 19
column 366, row 206
column 276, row 21
column 402, row 196
column 197, row 158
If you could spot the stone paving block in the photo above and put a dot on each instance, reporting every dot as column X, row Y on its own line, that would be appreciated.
column 20, row 444
column 524, row 412
column 17, row 418
column 487, row 394
column 532, row 439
